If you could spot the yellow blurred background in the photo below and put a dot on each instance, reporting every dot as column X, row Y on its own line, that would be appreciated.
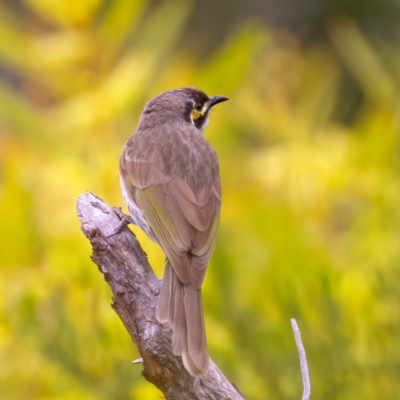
column 310, row 160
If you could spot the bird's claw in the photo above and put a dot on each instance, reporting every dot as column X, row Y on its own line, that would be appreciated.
column 125, row 220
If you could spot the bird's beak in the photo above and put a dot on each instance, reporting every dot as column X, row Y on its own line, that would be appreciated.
column 216, row 99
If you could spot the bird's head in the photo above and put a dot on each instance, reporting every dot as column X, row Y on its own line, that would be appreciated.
column 190, row 105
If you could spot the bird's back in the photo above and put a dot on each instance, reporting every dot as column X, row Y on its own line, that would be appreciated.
column 178, row 152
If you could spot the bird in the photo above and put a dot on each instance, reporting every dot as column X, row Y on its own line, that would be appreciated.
column 171, row 186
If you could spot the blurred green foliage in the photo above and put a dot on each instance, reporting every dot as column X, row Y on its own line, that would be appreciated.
column 310, row 220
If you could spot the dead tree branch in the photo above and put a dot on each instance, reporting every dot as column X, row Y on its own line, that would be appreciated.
column 303, row 360
column 135, row 289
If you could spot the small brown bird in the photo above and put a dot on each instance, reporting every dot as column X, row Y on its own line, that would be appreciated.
column 171, row 186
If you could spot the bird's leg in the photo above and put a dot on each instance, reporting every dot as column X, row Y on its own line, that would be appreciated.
column 125, row 220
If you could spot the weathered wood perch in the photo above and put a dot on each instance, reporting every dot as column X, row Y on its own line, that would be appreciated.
column 135, row 289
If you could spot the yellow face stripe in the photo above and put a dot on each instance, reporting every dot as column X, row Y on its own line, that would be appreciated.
column 194, row 114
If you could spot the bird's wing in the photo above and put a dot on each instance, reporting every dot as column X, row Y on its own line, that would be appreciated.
column 183, row 219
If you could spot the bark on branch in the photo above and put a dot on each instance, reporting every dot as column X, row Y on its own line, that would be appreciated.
column 135, row 289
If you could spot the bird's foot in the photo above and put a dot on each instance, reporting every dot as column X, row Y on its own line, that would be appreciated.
column 125, row 220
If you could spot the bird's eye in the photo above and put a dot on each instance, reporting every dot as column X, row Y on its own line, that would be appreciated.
column 198, row 107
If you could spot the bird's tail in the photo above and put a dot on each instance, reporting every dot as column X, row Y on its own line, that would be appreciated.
column 181, row 306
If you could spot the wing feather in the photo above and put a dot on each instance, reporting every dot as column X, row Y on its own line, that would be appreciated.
column 184, row 219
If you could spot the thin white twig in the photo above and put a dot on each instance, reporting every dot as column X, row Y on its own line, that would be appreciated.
column 303, row 360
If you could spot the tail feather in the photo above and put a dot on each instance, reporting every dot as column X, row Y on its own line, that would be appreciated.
column 163, row 299
column 197, row 343
column 181, row 305
column 179, row 326
column 190, row 365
